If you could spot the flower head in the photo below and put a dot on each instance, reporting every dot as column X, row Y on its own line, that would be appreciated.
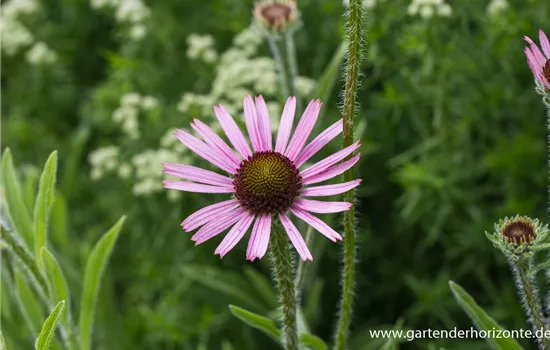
column 275, row 14
column 539, row 61
column 266, row 183
column 519, row 236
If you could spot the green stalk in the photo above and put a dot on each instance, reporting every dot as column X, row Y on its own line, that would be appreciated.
column 354, row 31
column 292, row 66
column 528, row 293
column 278, row 50
column 283, row 271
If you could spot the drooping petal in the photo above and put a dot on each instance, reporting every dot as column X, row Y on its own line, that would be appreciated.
column 537, row 54
column 259, row 239
column 193, row 173
column 295, row 237
column 324, row 164
column 215, row 141
column 544, row 43
column 235, row 234
column 208, row 213
column 319, row 142
column 205, row 151
column 194, row 187
column 215, row 227
column 252, row 125
column 232, row 131
column 331, row 172
column 329, row 190
column 317, row 224
column 321, row 207
column 304, row 128
column 264, row 125
column 285, row 126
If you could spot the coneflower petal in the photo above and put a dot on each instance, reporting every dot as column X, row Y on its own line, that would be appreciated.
column 544, row 43
column 330, row 190
column 326, row 163
column 321, row 207
column 264, row 125
column 319, row 142
column 194, row 187
column 214, row 140
column 317, row 224
column 214, row 228
column 235, row 234
column 252, row 125
column 259, row 239
column 193, row 173
column 333, row 171
column 285, row 126
column 232, row 131
column 295, row 237
column 209, row 213
column 304, row 128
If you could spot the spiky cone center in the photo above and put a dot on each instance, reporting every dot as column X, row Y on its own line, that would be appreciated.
column 275, row 14
column 267, row 183
column 546, row 70
column 519, row 231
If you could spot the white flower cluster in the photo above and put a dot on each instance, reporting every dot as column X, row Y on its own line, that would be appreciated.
column 103, row 160
column 132, row 12
column 239, row 72
column 428, row 8
column 496, row 6
column 126, row 115
column 368, row 4
column 201, row 47
column 40, row 53
column 15, row 36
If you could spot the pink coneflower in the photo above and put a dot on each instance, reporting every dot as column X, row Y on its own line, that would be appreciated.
column 266, row 183
column 539, row 62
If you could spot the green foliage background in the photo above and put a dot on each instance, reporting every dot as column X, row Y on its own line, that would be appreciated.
column 454, row 140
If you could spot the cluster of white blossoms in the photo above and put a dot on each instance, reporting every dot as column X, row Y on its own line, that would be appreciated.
column 201, row 47
column 429, row 8
column 15, row 36
column 127, row 114
column 496, row 6
column 102, row 160
column 131, row 12
column 239, row 72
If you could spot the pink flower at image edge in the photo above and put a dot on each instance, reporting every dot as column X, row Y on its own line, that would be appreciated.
column 539, row 61
column 266, row 182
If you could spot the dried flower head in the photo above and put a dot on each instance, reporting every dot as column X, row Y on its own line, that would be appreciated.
column 267, row 183
column 519, row 236
column 275, row 14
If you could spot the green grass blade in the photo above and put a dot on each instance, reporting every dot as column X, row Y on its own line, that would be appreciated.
column 58, row 222
column 28, row 303
column 92, row 280
column 17, row 210
column 44, row 340
column 481, row 319
column 262, row 323
column 43, row 203
column 330, row 74
column 3, row 345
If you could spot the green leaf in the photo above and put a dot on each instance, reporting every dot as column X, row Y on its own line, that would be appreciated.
column 43, row 203
column 30, row 184
column 262, row 323
column 481, row 319
column 25, row 258
column 92, row 280
column 330, row 74
column 28, row 303
column 58, row 221
column 3, row 345
column 312, row 341
column 44, row 340
column 18, row 213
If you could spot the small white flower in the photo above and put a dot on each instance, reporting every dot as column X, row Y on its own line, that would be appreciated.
column 130, row 99
column 426, row 11
column 149, row 102
column 445, row 10
column 132, row 11
column 40, row 53
column 496, row 6
column 138, row 32
column 304, row 86
column 124, row 171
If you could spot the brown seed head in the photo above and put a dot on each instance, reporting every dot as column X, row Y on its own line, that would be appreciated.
column 275, row 14
column 518, row 231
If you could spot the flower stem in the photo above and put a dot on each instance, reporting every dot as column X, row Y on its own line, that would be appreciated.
column 354, row 31
column 283, row 270
column 528, row 292
column 278, row 50
column 292, row 66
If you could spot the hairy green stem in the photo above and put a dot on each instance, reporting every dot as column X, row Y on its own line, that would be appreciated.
column 283, row 271
column 528, row 293
column 278, row 50
column 354, row 32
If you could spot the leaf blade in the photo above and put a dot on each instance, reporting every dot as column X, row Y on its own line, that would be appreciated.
column 480, row 318
column 95, row 267
column 43, row 203
column 262, row 323
column 44, row 340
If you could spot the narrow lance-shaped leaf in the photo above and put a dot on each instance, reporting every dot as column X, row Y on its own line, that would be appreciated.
column 59, row 290
column 18, row 213
column 262, row 323
column 44, row 340
column 312, row 341
column 92, row 280
column 28, row 303
column 43, row 203
column 481, row 319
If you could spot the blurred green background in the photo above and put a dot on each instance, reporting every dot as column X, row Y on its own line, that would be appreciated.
column 452, row 132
